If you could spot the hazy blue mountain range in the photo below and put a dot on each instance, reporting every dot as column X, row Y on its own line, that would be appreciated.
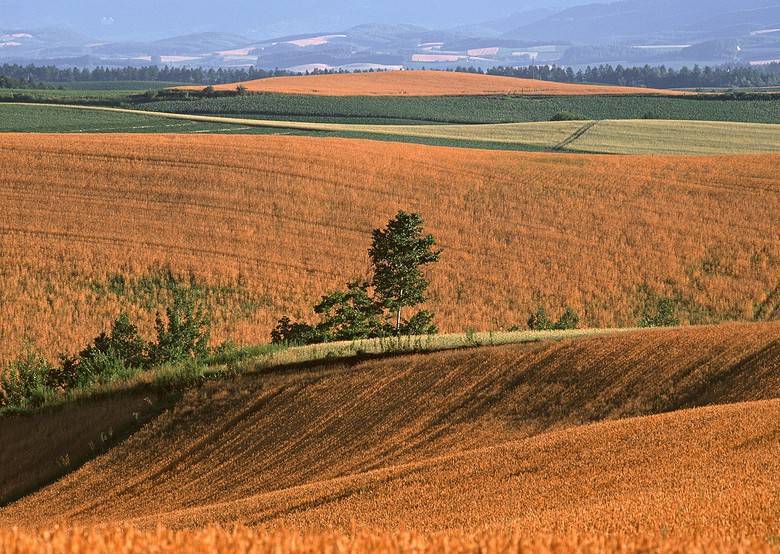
column 154, row 19
column 345, row 33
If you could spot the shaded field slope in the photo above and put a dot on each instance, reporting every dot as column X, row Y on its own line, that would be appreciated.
column 559, row 437
column 425, row 83
column 263, row 226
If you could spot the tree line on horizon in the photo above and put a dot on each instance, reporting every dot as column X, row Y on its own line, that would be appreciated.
column 650, row 76
column 33, row 76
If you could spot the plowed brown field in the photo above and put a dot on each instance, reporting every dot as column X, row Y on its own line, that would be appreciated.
column 546, row 438
column 265, row 225
column 425, row 83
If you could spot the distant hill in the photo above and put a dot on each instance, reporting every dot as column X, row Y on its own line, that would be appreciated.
column 426, row 83
column 651, row 20
column 567, row 32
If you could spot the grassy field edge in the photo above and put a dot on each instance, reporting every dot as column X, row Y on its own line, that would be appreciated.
column 272, row 358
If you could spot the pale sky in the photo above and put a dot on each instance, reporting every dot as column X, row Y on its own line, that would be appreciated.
column 143, row 19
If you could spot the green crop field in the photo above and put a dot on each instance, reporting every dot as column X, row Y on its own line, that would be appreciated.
column 56, row 119
column 65, row 94
column 135, row 86
column 481, row 109
column 691, row 137
column 611, row 136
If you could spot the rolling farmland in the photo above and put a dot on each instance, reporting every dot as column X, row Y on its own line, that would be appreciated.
column 424, row 83
column 473, row 109
column 574, row 203
column 57, row 119
column 613, row 137
column 594, row 435
column 96, row 224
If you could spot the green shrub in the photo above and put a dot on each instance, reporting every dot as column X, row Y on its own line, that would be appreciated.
column 350, row 314
column 119, row 353
column 295, row 333
column 568, row 320
column 183, row 334
column 662, row 314
column 420, row 323
column 25, row 381
column 539, row 320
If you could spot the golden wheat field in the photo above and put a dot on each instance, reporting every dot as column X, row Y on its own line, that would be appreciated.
column 95, row 224
column 425, row 83
column 649, row 441
column 243, row 540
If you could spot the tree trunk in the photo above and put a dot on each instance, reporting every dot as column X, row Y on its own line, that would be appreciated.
column 398, row 321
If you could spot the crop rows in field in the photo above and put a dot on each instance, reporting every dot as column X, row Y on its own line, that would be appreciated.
column 616, row 137
column 246, row 540
column 474, row 109
column 271, row 223
column 124, row 87
column 456, row 440
column 56, row 119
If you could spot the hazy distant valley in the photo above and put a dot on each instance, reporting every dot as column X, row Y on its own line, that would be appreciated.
column 629, row 33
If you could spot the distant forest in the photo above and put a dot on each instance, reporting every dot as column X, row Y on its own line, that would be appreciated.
column 650, row 76
column 31, row 76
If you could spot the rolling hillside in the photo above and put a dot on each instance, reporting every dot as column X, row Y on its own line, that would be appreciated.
column 99, row 223
column 425, row 83
column 641, row 136
column 549, row 437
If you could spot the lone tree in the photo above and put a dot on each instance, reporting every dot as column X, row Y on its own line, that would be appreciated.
column 398, row 253
column 370, row 309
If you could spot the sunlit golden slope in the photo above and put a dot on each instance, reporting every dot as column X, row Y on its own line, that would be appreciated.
column 426, row 83
column 462, row 439
column 92, row 223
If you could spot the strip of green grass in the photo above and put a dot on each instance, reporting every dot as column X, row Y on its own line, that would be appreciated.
column 273, row 358
column 123, row 86
column 41, row 118
column 475, row 109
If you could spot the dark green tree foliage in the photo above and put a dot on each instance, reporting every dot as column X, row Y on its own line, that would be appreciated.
column 398, row 253
column 662, row 314
column 195, row 75
column 539, row 321
column 110, row 353
column 350, row 314
column 421, row 323
column 184, row 334
column 568, row 320
column 653, row 76
column 288, row 331
column 25, row 379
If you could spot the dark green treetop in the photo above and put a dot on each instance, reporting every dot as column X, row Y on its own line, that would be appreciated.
column 398, row 253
